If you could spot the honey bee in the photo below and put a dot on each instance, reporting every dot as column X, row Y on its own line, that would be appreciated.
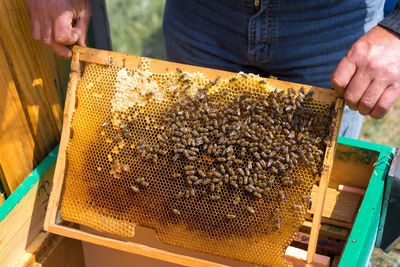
column 281, row 195
column 257, row 195
column 149, row 94
column 215, row 197
column 278, row 223
column 201, row 173
column 297, row 207
column 250, row 210
column 230, row 216
column 176, row 212
column 192, row 192
column 234, row 184
column 135, row 189
column 176, row 175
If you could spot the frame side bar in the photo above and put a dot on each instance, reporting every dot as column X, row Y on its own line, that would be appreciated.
column 59, row 173
column 323, row 186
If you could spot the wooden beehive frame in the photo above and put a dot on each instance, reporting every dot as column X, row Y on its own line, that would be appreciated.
column 81, row 54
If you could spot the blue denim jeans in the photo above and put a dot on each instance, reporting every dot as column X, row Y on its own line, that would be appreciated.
column 298, row 41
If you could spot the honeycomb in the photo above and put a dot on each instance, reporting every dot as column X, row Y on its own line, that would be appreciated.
column 224, row 167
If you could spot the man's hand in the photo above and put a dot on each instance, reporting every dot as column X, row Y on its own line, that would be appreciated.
column 59, row 23
column 369, row 75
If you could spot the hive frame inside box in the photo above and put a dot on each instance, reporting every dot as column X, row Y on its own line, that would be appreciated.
column 81, row 54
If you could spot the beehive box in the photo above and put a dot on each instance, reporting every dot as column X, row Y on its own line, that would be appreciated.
column 356, row 164
column 119, row 163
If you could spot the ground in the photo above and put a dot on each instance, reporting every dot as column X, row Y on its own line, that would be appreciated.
column 136, row 29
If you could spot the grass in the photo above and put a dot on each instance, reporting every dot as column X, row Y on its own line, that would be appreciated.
column 136, row 29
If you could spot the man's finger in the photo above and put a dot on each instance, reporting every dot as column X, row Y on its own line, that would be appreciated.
column 342, row 75
column 82, row 26
column 384, row 103
column 61, row 50
column 356, row 88
column 63, row 31
column 371, row 96
column 46, row 31
column 35, row 29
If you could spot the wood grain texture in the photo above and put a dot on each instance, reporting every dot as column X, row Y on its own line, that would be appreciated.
column 32, row 74
column 327, row 230
column 338, row 205
column 298, row 256
column 18, row 149
column 48, row 250
column 25, row 221
column 61, row 164
column 323, row 184
column 130, row 247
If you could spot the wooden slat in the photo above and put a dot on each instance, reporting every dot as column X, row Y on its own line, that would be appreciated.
column 353, row 166
column 327, row 230
column 324, row 243
column 161, row 66
column 30, row 69
column 351, row 190
column 338, row 205
column 333, row 222
column 61, row 158
column 48, row 250
column 18, row 151
column 131, row 247
column 25, row 221
column 298, row 257
column 323, row 184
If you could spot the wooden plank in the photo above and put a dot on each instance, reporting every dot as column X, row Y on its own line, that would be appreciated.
column 324, row 243
column 18, row 150
column 102, row 57
column 25, row 221
column 298, row 258
column 48, row 250
column 333, row 222
column 327, row 230
column 323, row 184
column 147, row 237
column 61, row 159
column 353, row 166
column 351, row 190
column 32, row 74
column 130, row 247
column 338, row 205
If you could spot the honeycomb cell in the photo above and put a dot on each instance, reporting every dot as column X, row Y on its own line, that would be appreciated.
column 224, row 167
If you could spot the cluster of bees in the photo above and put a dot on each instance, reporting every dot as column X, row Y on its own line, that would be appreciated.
column 249, row 142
